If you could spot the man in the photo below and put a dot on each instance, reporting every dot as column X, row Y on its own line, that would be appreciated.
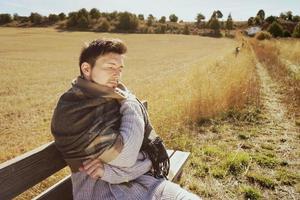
column 99, row 127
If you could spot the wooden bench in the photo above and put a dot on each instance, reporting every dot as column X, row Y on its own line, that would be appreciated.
column 23, row 172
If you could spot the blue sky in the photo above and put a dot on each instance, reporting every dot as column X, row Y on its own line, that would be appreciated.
column 184, row 9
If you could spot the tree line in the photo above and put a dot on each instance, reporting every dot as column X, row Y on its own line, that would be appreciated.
column 94, row 20
column 284, row 25
column 121, row 22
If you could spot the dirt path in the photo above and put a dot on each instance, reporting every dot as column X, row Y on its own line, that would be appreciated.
column 279, row 127
column 271, row 99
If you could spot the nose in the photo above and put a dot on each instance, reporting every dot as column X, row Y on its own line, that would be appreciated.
column 117, row 75
column 118, row 71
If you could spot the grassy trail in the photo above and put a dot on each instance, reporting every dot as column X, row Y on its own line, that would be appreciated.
column 279, row 126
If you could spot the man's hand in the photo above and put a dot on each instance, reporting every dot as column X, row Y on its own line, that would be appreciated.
column 93, row 167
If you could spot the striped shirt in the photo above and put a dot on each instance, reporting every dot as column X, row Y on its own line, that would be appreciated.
column 124, row 177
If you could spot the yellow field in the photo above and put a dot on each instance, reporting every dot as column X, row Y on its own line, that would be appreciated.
column 184, row 79
column 37, row 65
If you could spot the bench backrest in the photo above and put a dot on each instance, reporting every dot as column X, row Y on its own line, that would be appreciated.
column 21, row 173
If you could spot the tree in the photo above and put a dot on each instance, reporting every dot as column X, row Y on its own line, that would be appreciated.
column 127, row 22
column 217, row 14
column 35, row 18
column 275, row 29
column 15, row 17
column 261, row 14
column 95, row 13
column 83, row 13
column 173, row 18
column 161, row 28
column 162, row 20
column 283, row 16
column 270, row 19
column 199, row 19
column 296, row 32
column 186, row 30
column 104, row 26
column 257, row 20
column 150, row 20
column 72, row 19
column 80, row 19
column 113, row 16
column 289, row 15
column 215, row 25
column 229, row 22
column 5, row 18
column 286, row 33
column 296, row 18
column 53, row 18
column 141, row 17
column 62, row 16
column 250, row 21
column 82, row 22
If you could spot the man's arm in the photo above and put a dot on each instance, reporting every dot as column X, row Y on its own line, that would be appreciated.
column 132, row 131
column 116, row 175
column 126, row 165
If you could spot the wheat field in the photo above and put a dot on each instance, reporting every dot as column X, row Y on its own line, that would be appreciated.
column 185, row 79
column 37, row 66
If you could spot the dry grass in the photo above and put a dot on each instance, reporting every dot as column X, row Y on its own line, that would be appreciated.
column 281, row 58
column 289, row 49
column 184, row 79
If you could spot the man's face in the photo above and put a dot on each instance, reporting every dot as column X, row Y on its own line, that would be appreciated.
column 107, row 70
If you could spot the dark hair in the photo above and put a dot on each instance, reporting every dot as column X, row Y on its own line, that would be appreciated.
column 96, row 48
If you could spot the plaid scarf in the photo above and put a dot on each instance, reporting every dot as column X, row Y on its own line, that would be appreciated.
column 86, row 122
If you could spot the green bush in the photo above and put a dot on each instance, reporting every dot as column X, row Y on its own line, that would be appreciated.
column 275, row 29
column 5, row 18
column 82, row 22
column 161, row 28
column 296, row 32
column 162, row 20
column 35, row 18
column 173, row 18
column 270, row 19
column 80, row 19
column 263, row 35
column 141, row 17
column 127, row 22
column 150, row 20
column 286, row 33
column 62, row 16
column 94, row 13
column 104, row 26
column 53, row 18
column 72, row 19
column 186, row 30
column 216, row 26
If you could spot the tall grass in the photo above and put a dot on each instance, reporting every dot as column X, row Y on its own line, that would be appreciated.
column 274, row 54
column 289, row 49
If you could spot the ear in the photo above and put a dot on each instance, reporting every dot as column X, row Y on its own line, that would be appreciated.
column 86, row 69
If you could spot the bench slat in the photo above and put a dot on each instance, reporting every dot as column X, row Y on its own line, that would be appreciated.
column 61, row 190
column 25, row 171
column 177, row 162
